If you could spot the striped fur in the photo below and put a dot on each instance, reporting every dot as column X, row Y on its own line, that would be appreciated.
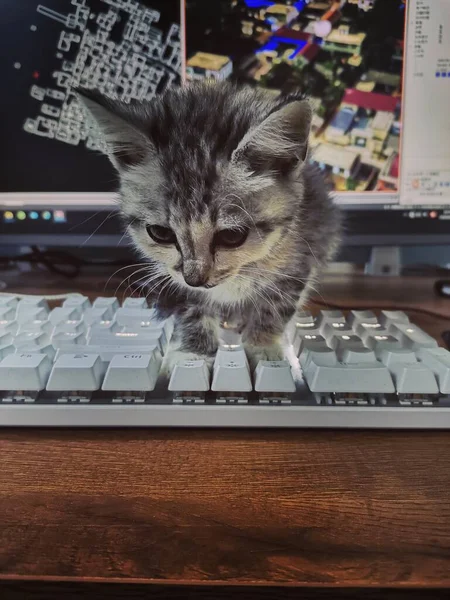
column 209, row 157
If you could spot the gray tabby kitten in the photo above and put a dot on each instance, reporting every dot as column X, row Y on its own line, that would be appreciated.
column 218, row 195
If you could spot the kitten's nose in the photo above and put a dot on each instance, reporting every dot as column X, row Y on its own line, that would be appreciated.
column 195, row 279
column 195, row 272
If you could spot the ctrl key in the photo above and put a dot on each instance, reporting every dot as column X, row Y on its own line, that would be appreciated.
column 24, row 371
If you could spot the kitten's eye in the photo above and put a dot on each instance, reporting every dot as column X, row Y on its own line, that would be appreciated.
column 231, row 238
column 161, row 235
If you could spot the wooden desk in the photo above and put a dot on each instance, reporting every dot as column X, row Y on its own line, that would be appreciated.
column 318, row 510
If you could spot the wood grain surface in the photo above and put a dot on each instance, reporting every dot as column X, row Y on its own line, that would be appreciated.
column 305, row 507
column 313, row 509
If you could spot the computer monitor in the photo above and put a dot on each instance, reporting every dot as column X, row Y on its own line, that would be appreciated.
column 376, row 71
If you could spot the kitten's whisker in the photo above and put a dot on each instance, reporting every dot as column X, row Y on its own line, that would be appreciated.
column 111, row 214
column 160, row 282
column 261, row 293
column 85, row 220
column 253, row 301
column 121, row 269
column 133, row 283
column 310, row 249
column 272, row 285
column 307, row 283
column 164, row 286
column 127, row 228
column 153, row 278
column 127, row 278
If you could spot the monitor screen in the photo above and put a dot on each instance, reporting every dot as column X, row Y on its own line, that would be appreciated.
column 377, row 73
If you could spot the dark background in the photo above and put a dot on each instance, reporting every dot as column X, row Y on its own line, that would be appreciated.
column 29, row 163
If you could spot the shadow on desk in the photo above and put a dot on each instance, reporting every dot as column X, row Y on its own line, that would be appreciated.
column 32, row 590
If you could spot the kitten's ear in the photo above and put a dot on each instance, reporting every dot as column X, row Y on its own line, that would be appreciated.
column 280, row 142
column 118, row 125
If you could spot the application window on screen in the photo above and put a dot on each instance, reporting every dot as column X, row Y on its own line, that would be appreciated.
column 376, row 71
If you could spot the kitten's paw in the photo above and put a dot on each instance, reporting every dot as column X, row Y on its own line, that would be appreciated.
column 257, row 353
column 176, row 356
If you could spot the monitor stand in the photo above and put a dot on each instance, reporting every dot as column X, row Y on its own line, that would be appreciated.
column 384, row 260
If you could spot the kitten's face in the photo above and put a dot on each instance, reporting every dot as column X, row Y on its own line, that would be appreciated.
column 205, row 245
column 206, row 180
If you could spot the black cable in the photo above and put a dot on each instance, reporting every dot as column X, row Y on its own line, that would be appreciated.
column 334, row 306
column 57, row 261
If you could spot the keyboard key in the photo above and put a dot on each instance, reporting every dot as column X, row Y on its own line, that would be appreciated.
column 6, row 349
column 230, row 338
column 109, row 326
column 361, row 377
column 409, row 376
column 32, row 314
column 438, row 361
column 331, row 316
column 59, row 315
column 132, row 372
column 165, row 326
column 147, row 332
column 274, row 376
column 6, row 300
column 109, row 304
column 382, row 341
column 107, row 353
column 343, row 343
column 96, row 315
column 70, row 327
column 135, row 303
column 30, row 339
column 79, row 302
column 412, row 336
column 9, row 326
column 390, row 317
column 413, row 379
column 83, row 372
column 31, row 302
column 396, row 355
column 5, row 338
column 128, row 339
column 44, row 348
column 328, row 330
column 362, row 316
column 130, row 317
column 358, row 355
column 24, row 371
column 303, row 318
column 364, row 329
column 231, row 371
column 325, row 356
column 7, row 313
column 68, row 338
column 190, row 376
column 308, row 340
column 38, row 325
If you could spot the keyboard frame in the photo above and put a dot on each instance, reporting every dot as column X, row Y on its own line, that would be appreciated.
column 223, row 416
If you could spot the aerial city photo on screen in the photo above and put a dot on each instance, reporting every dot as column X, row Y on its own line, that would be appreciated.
column 345, row 55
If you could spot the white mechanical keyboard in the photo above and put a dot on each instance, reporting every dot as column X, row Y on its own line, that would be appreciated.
column 99, row 365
